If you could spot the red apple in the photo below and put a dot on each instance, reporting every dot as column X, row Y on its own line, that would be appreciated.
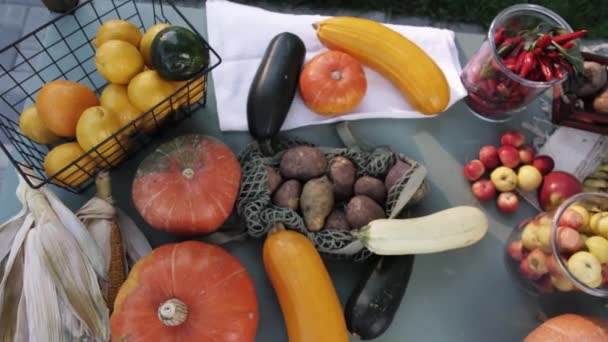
column 534, row 265
column 473, row 170
column 573, row 219
column 569, row 240
column 605, row 274
column 512, row 138
column 507, row 202
column 483, row 189
column 526, row 154
column 544, row 164
column 557, row 187
column 516, row 250
column 509, row 156
column 553, row 266
column 489, row 157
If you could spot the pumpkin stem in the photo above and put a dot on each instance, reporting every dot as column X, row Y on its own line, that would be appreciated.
column 188, row 173
column 173, row 312
column 336, row 75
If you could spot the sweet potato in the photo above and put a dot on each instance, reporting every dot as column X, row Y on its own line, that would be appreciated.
column 317, row 201
column 372, row 188
column 362, row 210
column 342, row 174
column 288, row 195
column 274, row 179
column 303, row 163
column 395, row 173
column 337, row 220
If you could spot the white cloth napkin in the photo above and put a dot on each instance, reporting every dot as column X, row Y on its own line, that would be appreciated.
column 240, row 35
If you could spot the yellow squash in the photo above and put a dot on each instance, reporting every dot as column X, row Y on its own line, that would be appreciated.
column 389, row 53
column 307, row 296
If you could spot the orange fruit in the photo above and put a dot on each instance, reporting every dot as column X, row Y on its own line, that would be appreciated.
column 60, row 157
column 60, row 104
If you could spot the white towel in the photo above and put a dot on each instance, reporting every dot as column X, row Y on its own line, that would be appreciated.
column 240, row 35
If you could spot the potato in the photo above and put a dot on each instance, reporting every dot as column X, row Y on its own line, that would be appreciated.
column 317, row 201
column 274, row 179
column 303, row 163
column 600, row 103
column 337, row 220
column 342, row 173
column 595, row 79
column 372, row 188
column 362, row 210
column 395, row 173
column 288, row 195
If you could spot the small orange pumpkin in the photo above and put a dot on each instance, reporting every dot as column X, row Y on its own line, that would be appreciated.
column 332, row 83
column 188, row 291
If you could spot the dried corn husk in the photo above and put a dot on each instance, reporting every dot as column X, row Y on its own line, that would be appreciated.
column 49, row 289
column 120, row 241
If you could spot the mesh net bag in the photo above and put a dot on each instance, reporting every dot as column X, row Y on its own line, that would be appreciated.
column 255, row 207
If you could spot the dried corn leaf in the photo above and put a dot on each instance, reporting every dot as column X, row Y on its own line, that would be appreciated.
column 96, row 215
column 85, row 241
column 134, row 241
column 44, row 320
column 79, row 288
column 21, row 330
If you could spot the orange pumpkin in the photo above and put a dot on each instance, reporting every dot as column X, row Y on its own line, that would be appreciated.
column 188, row 185
column 189, row 291
column 332, row 83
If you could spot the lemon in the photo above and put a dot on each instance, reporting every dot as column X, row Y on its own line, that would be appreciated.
column 146, row 42
column 116, row 29
column 194, row 92
column 60, row 157
column 118, row 61
column 95, row 126
column 114, row 97
column 33, row 128
column 148, row 89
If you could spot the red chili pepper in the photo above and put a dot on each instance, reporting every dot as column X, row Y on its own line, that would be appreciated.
column 538, row 51
column 543, row 41
column 545, row 68
column 508, row 45
column 527, row 64
column 562, row 39
column 491, row 83
column 502, row 89
column 558, row 71
column 569, row 45
column 517, row 50
column 566, row 65
column 499, row 35
column 520, row 62
column 553, row 54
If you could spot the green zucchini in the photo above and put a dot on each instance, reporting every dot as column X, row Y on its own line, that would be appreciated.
column 374, row 302
column 274, row 87
column 178, row 54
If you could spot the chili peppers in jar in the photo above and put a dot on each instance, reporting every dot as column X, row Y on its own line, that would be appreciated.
column 529, row 49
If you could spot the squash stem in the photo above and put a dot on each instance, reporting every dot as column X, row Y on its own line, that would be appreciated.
column 173, row 312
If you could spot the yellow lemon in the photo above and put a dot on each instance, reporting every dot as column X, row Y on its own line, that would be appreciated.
column 118, row 61
column 116, row 29
column 146, row 42
column 147, row 90
column 33, row 128
column 63, row 155
column 194, row 92
column 114, row 97
column 96, row 124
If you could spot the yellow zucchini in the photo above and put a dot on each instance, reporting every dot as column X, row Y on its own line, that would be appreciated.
column 308, row 299
column 389, row 53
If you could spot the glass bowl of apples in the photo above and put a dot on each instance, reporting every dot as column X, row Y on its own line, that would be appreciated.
column 563, row 250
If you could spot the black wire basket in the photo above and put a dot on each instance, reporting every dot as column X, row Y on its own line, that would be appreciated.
column 63, row 49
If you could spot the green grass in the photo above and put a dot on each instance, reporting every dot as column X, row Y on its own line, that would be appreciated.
column 588, row 14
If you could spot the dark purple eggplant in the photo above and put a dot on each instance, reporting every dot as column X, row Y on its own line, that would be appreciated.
column 374, row 302
column 274, row 86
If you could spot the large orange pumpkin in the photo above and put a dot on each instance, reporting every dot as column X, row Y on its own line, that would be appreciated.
column 189, row 291
column 188, row 185
column 332, row 83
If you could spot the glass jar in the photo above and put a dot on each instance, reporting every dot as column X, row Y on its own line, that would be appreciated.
column 564, row 250
column 495, row 91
